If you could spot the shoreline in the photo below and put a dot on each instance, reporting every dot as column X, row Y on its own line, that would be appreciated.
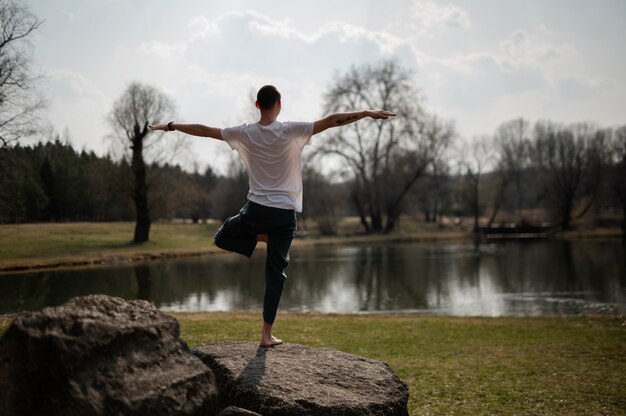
column 115, row 259
column 24, row 265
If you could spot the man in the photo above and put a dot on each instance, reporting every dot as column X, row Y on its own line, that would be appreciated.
column 271, row 151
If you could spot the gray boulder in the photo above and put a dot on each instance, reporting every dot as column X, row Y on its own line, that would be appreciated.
column 296, row 380
column 99, row 355
column 236, row 411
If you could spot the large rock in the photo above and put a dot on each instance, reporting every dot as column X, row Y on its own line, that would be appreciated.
column 236, row 411
column 99, row 355
column 295, row 380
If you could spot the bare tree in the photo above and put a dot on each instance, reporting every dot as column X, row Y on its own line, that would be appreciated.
column 432, row 192
column 475, row 158
column 617, row 169
column 324, row 201
column 384, row 159
column 569, row 160
column 512, row 141
column 19, row 101
column 138, row 106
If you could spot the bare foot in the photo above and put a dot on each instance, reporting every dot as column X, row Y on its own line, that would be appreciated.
column 262, row 237
column 270, row 342
column 267, row 339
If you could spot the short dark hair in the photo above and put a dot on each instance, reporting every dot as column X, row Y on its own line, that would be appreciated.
column 267, row 97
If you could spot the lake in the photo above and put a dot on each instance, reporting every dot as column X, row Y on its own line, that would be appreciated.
column 529, row 278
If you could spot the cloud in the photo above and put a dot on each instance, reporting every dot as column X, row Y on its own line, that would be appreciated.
column 79, row 105
column 576, row 87
column 524, row 47
column 163, row 49
column 428, row 14
column 218, row 61
column 242, row 50
column 72, row 84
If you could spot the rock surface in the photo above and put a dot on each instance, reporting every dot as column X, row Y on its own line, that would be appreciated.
column 236, row 411
column 99, row 355
column 295, row 380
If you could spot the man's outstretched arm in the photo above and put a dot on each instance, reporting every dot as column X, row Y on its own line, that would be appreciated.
column 341, row 119
column 192, row 129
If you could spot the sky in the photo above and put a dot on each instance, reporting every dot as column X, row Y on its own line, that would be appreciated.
column 477, row 62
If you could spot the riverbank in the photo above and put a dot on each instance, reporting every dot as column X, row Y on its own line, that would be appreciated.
column 461, row 366
column 25, row 247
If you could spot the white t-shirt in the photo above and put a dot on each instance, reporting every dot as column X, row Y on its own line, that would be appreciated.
column 272, row 155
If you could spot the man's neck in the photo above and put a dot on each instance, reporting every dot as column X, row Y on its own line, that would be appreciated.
column 267, row 118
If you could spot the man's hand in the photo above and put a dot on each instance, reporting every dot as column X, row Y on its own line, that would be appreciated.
column 377, row 114
column 158, row 127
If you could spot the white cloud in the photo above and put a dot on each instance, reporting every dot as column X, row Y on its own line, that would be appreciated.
column 75, row 84
column 202, row 27
column 429, row 14
column 79, row 106
column 162, row 49
column 524, row 47
column 247, row 48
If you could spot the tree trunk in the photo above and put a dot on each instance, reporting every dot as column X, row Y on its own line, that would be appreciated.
column 566, row 215
column 361, row 211
column 391, row 224
column 140, row 192
column 476, row 208
column 498, row 202
column 377, row 222
column 624, row 222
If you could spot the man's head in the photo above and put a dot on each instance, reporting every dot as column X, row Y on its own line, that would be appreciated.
column 267, row 97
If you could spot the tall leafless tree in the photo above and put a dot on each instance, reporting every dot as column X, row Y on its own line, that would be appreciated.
column 569, row 161
column 431, row 195
column 323, row 200
column 384, row 159
column 20, row 102
column 617, row 169
column 475, row 158
column 138, row 106
column 511, row 145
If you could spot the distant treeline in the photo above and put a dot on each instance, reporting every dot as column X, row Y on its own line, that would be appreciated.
column 561, row 171
column 54, row 182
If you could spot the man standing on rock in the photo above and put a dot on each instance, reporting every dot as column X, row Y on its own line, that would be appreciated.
column 271, row 151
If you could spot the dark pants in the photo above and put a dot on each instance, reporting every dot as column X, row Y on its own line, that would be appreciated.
column 239, row 234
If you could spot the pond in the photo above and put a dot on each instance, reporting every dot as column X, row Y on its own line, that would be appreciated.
column 503, row 279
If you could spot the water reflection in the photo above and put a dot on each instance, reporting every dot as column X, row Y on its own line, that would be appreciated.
column 533, row 278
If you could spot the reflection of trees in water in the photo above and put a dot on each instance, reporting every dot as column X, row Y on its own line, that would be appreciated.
column 144, row 282
column 370, row 278
column 198, row 283
column 33, row 291
column 383, row 277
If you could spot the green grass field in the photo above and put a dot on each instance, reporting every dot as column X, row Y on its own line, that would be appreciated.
column 31, row 244
column 462, row 366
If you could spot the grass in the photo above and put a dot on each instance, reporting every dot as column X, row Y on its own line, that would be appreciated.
column 33, row 244
column 461, row 366
column 68, row 244
column 464, row 366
